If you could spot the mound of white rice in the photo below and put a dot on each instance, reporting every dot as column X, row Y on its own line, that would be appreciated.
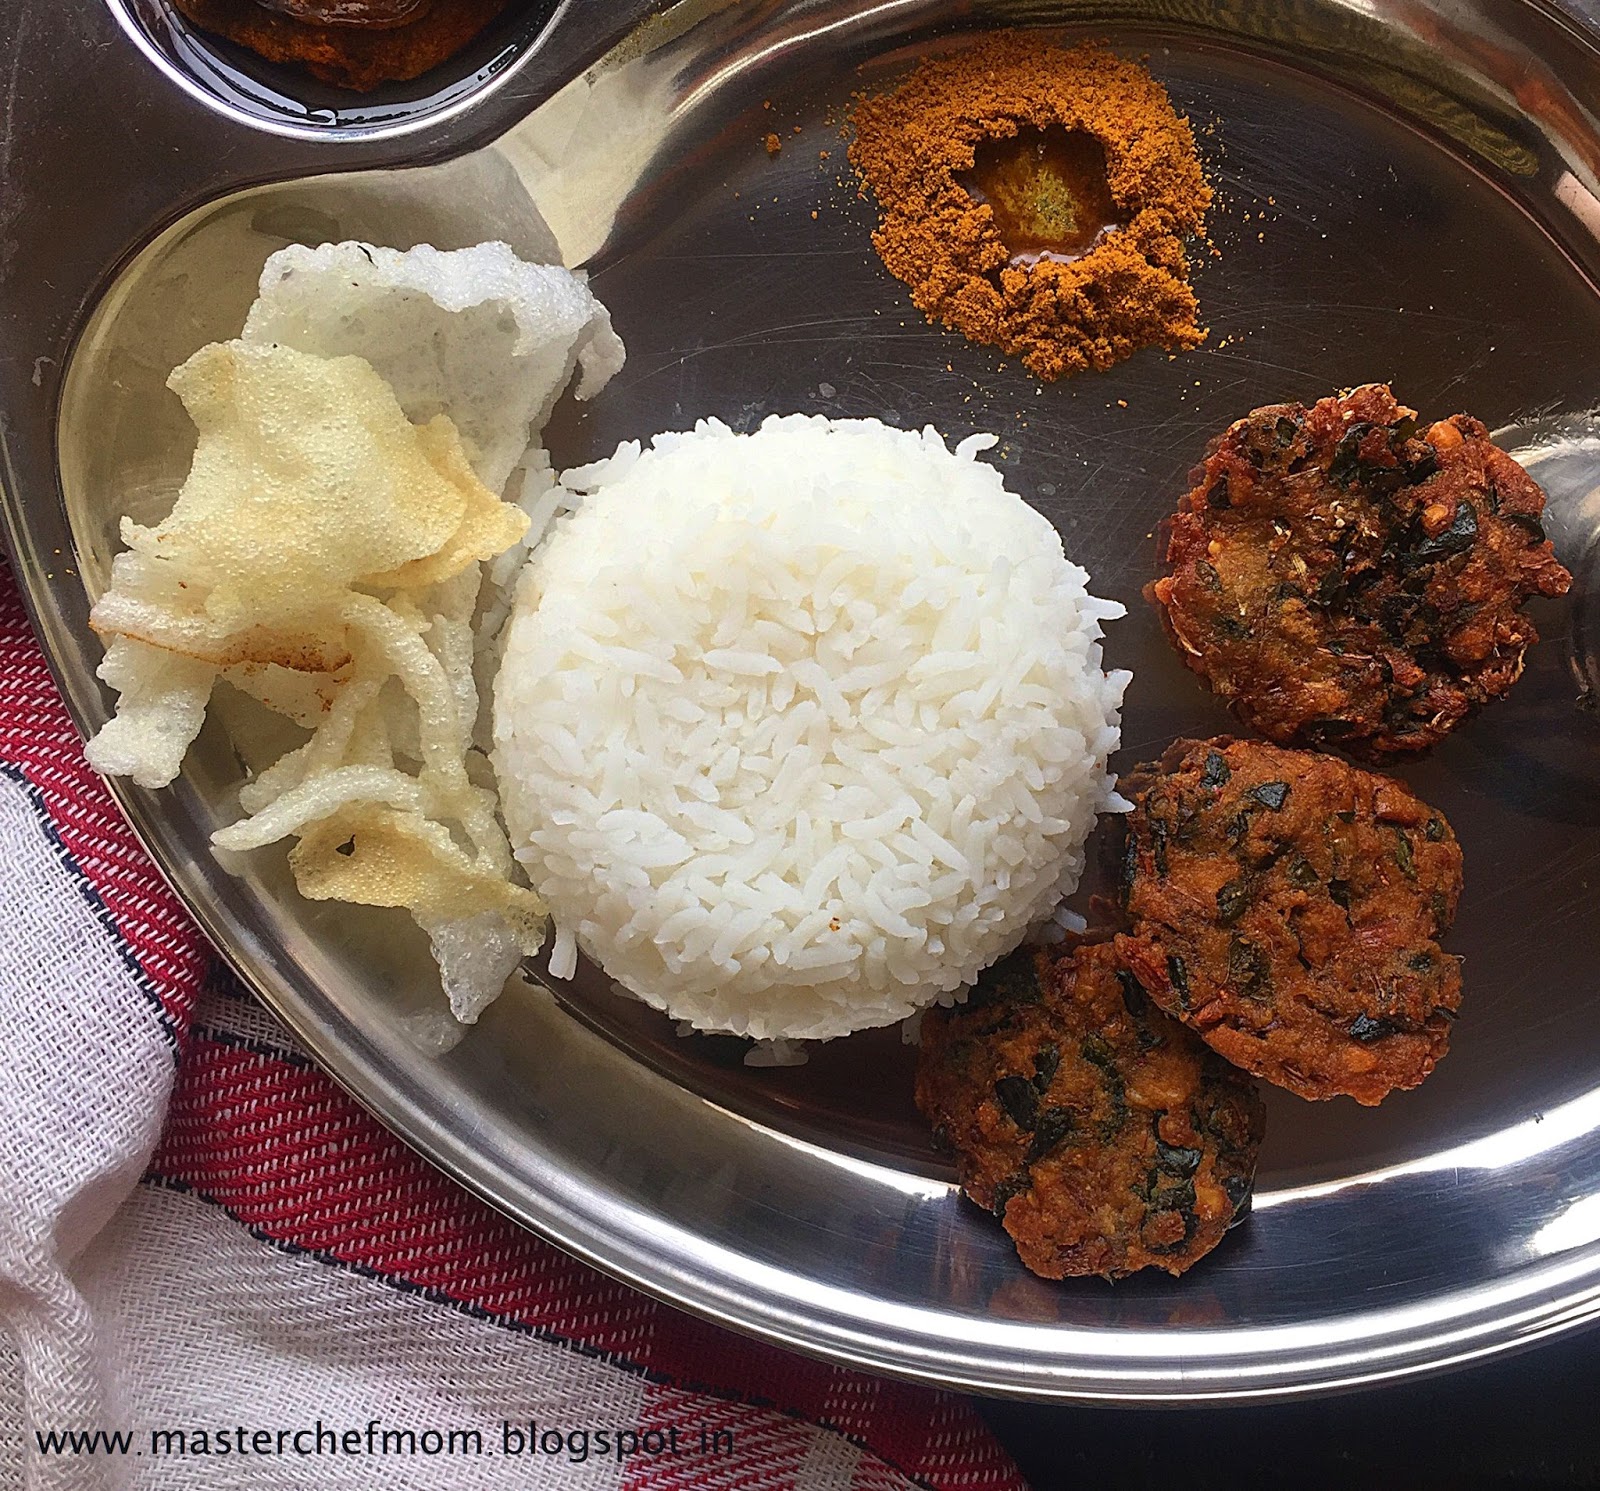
column 797, row 732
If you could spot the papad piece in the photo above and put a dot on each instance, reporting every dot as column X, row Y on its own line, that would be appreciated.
column 161, row 707
column 304, row 698
column 307, row 478
column 488, row 526
column 326, row 554
column 386, row 800
column 475, row 333
column 479, row 924
column 379, row 856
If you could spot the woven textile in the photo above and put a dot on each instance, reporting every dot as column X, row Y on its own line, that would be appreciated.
column 217, row 1271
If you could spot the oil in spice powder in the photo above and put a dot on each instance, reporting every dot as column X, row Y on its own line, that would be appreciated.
column 1048, row 191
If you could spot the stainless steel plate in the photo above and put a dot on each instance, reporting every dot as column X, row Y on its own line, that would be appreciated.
column 1408, row 191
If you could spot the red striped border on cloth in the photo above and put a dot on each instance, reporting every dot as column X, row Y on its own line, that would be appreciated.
column 255, row 1128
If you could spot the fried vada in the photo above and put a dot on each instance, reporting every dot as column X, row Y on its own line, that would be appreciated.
column 1104, row 1135
column 1342, row 576
column 1286, row 905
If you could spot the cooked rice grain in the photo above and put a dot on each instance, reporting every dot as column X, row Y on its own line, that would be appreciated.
column 797, row 732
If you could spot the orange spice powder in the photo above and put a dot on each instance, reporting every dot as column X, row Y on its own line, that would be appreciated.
column 1006, row 140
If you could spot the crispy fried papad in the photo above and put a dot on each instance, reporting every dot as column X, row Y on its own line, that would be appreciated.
column 1105, row 1136
column 1287, row 905
column 1341, row 576
column 476, row 334
column 325, row 554
column 307, row 480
